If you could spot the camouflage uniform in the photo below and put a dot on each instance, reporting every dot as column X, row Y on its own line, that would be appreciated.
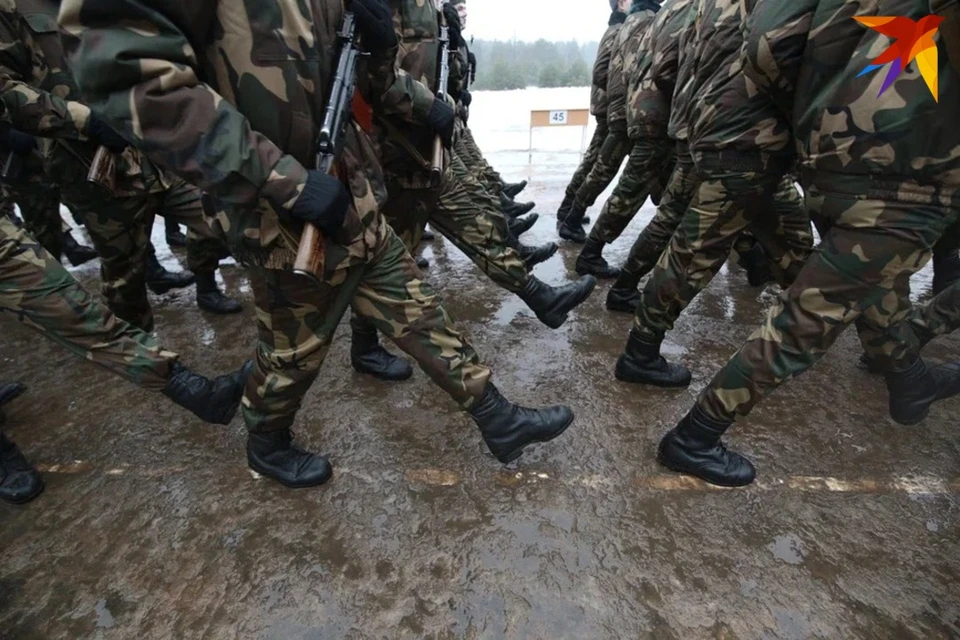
column 41, row 98
column 40, row 207
column 887, row 186
column 253, row 131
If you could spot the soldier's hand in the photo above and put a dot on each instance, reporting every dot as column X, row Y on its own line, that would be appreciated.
column 375, row 21
column 453, row 23
column 101, row 133
column 324, row 203
column 473, row 66
column 15, row 140
column 441, row 119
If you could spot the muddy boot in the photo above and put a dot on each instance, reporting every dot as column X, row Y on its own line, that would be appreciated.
column 519, row 226
column 552, row 304
column 913, row 389
column 75, row 252
column 210, row 298
column 160, row 281
column 422, row 263
column 755, row 263
column 19, row 481
column 513, row 190
column 642, row 363
column 508, row 428
column 515, row 210
column 273, row 454
column 175, row 237
column 8, row 393
column 564, row 209
column 428, row 235
column 571, row 228
column 214, row 401
column 368, row 356
column 591, row 261
column 532, row 256
column 694, row 447
column 946, row 271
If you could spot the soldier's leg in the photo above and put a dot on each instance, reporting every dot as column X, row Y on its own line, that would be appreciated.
column 655, row 237
column 583, row 169
column 937, row 317
column 635, row 184
column 786, row 236
column 946, row 260
column 472, row 156
column 40, row 208
column 614, row 149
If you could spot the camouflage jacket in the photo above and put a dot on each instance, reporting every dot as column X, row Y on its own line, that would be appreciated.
column 806, row 57
column 230, row 96
column 601, row 66
column 678, row 127
column 731, row 127
column 628, row 50
column 650, row 92
column 41, row 98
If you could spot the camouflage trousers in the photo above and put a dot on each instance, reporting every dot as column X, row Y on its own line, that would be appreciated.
column 639, row 179
column 859, row 274
column 297, row 319
column 120, row 228
column 937, row 317
column 589, row 159
column 614, row 149
column 40, row 293
column 724, row 205
column 655, row 237
column 40, row 207
column 471, row 155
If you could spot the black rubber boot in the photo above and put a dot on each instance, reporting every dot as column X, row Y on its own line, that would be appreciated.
column 368, row 356
column 175, row 237
column 553, row 304
column 946, row 270
column 532, row 256
column 508, row 428
column 75, row 252
column 642, row 363
column 755, row 263
column 513, row 190
column 273, row 454
column 19, row 481
column 913, row 389
column 422, row 262
column 215, row 401
column 515, row 209
column 428, row 235
column 591, row 261
column 210, row 298
column 160, row 281
column 571, row 228
column 564, row 209
column 8, row 393
column 694, row 447
column 519, row 226
column 624, row 295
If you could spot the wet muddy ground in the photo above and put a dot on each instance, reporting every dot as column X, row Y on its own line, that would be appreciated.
column 152, row 526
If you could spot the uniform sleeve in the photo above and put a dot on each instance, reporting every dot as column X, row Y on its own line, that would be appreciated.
column 28, row 109
column 406, row 97
column 601, row 67
column 136, row 65
column 776, row 35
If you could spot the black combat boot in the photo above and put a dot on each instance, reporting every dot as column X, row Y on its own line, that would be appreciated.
column 564, row 209
column 913, row 389
column 215, row 401
column 519, row 226
column 210, row 298
column 175, row 237
column 642, row 363
column 571, row 228
column 946, row 270
column 552, row 304
column 515, row 209
column 624, row 295
column 19, row 481
column 8, row 393
column 422, row 262
column 273, row 454
column 508, row 428
column 694, row 447
column 160, row 281
column 75, row 252
column 591, row 261
column 755, row 263
column 368, row 356
column 513, row 190
column 532, row 256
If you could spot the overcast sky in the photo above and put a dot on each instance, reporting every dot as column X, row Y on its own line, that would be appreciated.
column 582, row 20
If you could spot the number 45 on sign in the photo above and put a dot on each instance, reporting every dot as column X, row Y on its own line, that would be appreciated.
column 559, row 118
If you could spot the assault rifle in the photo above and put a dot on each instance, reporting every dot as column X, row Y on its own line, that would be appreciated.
column 436, row 168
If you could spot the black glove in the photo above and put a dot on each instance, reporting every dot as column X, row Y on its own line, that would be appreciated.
column 375, row 21
column 472, row 60
column 453, row 23
column 100, row 132
column 15, row 140
column 441, row 119
column 324, row 202
column 466, row 98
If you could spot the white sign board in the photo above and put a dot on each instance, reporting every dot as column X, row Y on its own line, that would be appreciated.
column 558, row 117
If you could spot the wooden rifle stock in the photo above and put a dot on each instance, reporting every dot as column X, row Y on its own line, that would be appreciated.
column 103, row 169
column 311, row 253
column 436, row 164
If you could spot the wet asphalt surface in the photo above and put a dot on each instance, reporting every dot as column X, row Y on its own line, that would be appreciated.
column 152, row 526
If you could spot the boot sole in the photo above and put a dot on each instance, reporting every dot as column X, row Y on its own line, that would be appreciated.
column 289, row 485
column 22, row 389
column 687, row 472
column 603, row 275
column 663, row 385
column 406, row 375
column 554, row 324
column 32, row 496
column 911, row 422
column 516, row 453
column 218, row 311
column 573, row 239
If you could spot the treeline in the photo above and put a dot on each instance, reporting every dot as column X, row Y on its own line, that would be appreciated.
column 504, row 65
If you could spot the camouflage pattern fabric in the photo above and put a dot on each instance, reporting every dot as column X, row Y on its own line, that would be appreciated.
column 41, row 294
column 296, row 321
column 678, row 125
column 626, row 61
column 181, row 203
column 601, row 66
column 937, row 317
column 724, row 205
column 589, row 159
column 860, row 272
column 614, row 149
column 468, row 150
column 40, row 207
column 640, row 177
